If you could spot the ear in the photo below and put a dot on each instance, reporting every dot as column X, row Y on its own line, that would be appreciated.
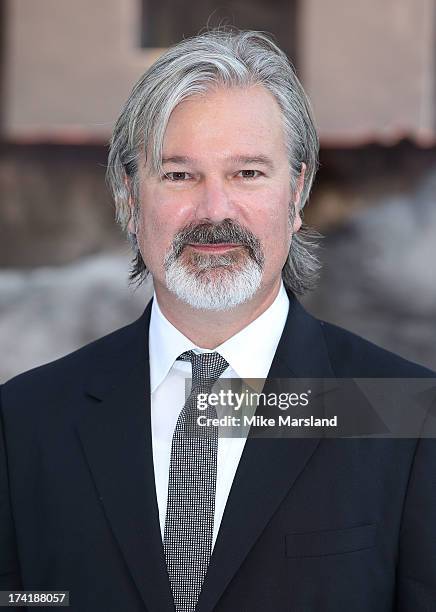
column 131, row 224
column 297, row 198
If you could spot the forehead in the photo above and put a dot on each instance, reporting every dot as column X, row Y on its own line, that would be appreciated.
column 227, row 120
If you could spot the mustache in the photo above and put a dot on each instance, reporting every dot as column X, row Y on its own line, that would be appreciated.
column 227, row 231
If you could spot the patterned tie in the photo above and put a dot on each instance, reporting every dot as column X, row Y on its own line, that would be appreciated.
column 191, row 487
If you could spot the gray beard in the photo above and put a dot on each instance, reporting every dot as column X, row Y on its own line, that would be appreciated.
column 213, row 282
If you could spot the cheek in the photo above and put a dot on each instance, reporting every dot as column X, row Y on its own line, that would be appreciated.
column 167, row 210
column 272, row 223
column 155, row 235
column 159, row 223
column 274, row 231
column 280, row 239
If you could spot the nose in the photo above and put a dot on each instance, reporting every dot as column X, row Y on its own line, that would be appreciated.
column 215, row 202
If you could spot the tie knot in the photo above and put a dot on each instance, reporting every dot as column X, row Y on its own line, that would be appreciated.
column 206, row 367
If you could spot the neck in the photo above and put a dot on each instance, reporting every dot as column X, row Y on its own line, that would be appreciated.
column 210, row 328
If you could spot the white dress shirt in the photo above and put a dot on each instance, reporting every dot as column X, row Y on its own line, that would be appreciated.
column 249, row 354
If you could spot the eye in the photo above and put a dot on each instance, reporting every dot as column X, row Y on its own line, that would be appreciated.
column 177, row 177
column 249, row 174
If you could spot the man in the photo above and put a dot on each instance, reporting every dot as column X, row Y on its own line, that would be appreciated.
column 103, row 492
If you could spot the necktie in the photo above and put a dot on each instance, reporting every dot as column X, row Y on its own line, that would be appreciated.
column 191, row 487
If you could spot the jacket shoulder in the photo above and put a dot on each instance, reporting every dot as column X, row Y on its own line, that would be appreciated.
column 74, row 368
column 353, row 356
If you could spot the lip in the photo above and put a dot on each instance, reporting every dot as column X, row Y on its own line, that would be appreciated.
column 214, row 248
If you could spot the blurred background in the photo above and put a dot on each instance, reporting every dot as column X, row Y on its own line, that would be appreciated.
column 67, row 67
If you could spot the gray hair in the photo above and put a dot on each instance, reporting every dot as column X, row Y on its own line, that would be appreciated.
column 224, row 57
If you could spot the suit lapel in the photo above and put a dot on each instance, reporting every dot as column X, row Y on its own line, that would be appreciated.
column 115, row 432
column 260, row 485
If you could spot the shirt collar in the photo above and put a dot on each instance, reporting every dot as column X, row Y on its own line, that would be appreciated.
column 249, row 352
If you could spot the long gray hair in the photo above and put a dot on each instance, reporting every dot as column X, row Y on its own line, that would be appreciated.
column 230, row 58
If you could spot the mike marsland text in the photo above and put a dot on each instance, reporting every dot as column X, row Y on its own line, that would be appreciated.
column 261, row 421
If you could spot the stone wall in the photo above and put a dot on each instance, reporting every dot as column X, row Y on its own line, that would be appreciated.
column 369, row 67
column 55, row 206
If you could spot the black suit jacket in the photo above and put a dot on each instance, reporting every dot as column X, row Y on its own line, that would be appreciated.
column 311, row 525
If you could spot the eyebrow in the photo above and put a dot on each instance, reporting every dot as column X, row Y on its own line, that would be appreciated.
column 177, row 159
column 257, row 159
column 262, row 160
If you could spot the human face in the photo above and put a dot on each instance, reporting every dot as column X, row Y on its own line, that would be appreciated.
column 226, row 181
